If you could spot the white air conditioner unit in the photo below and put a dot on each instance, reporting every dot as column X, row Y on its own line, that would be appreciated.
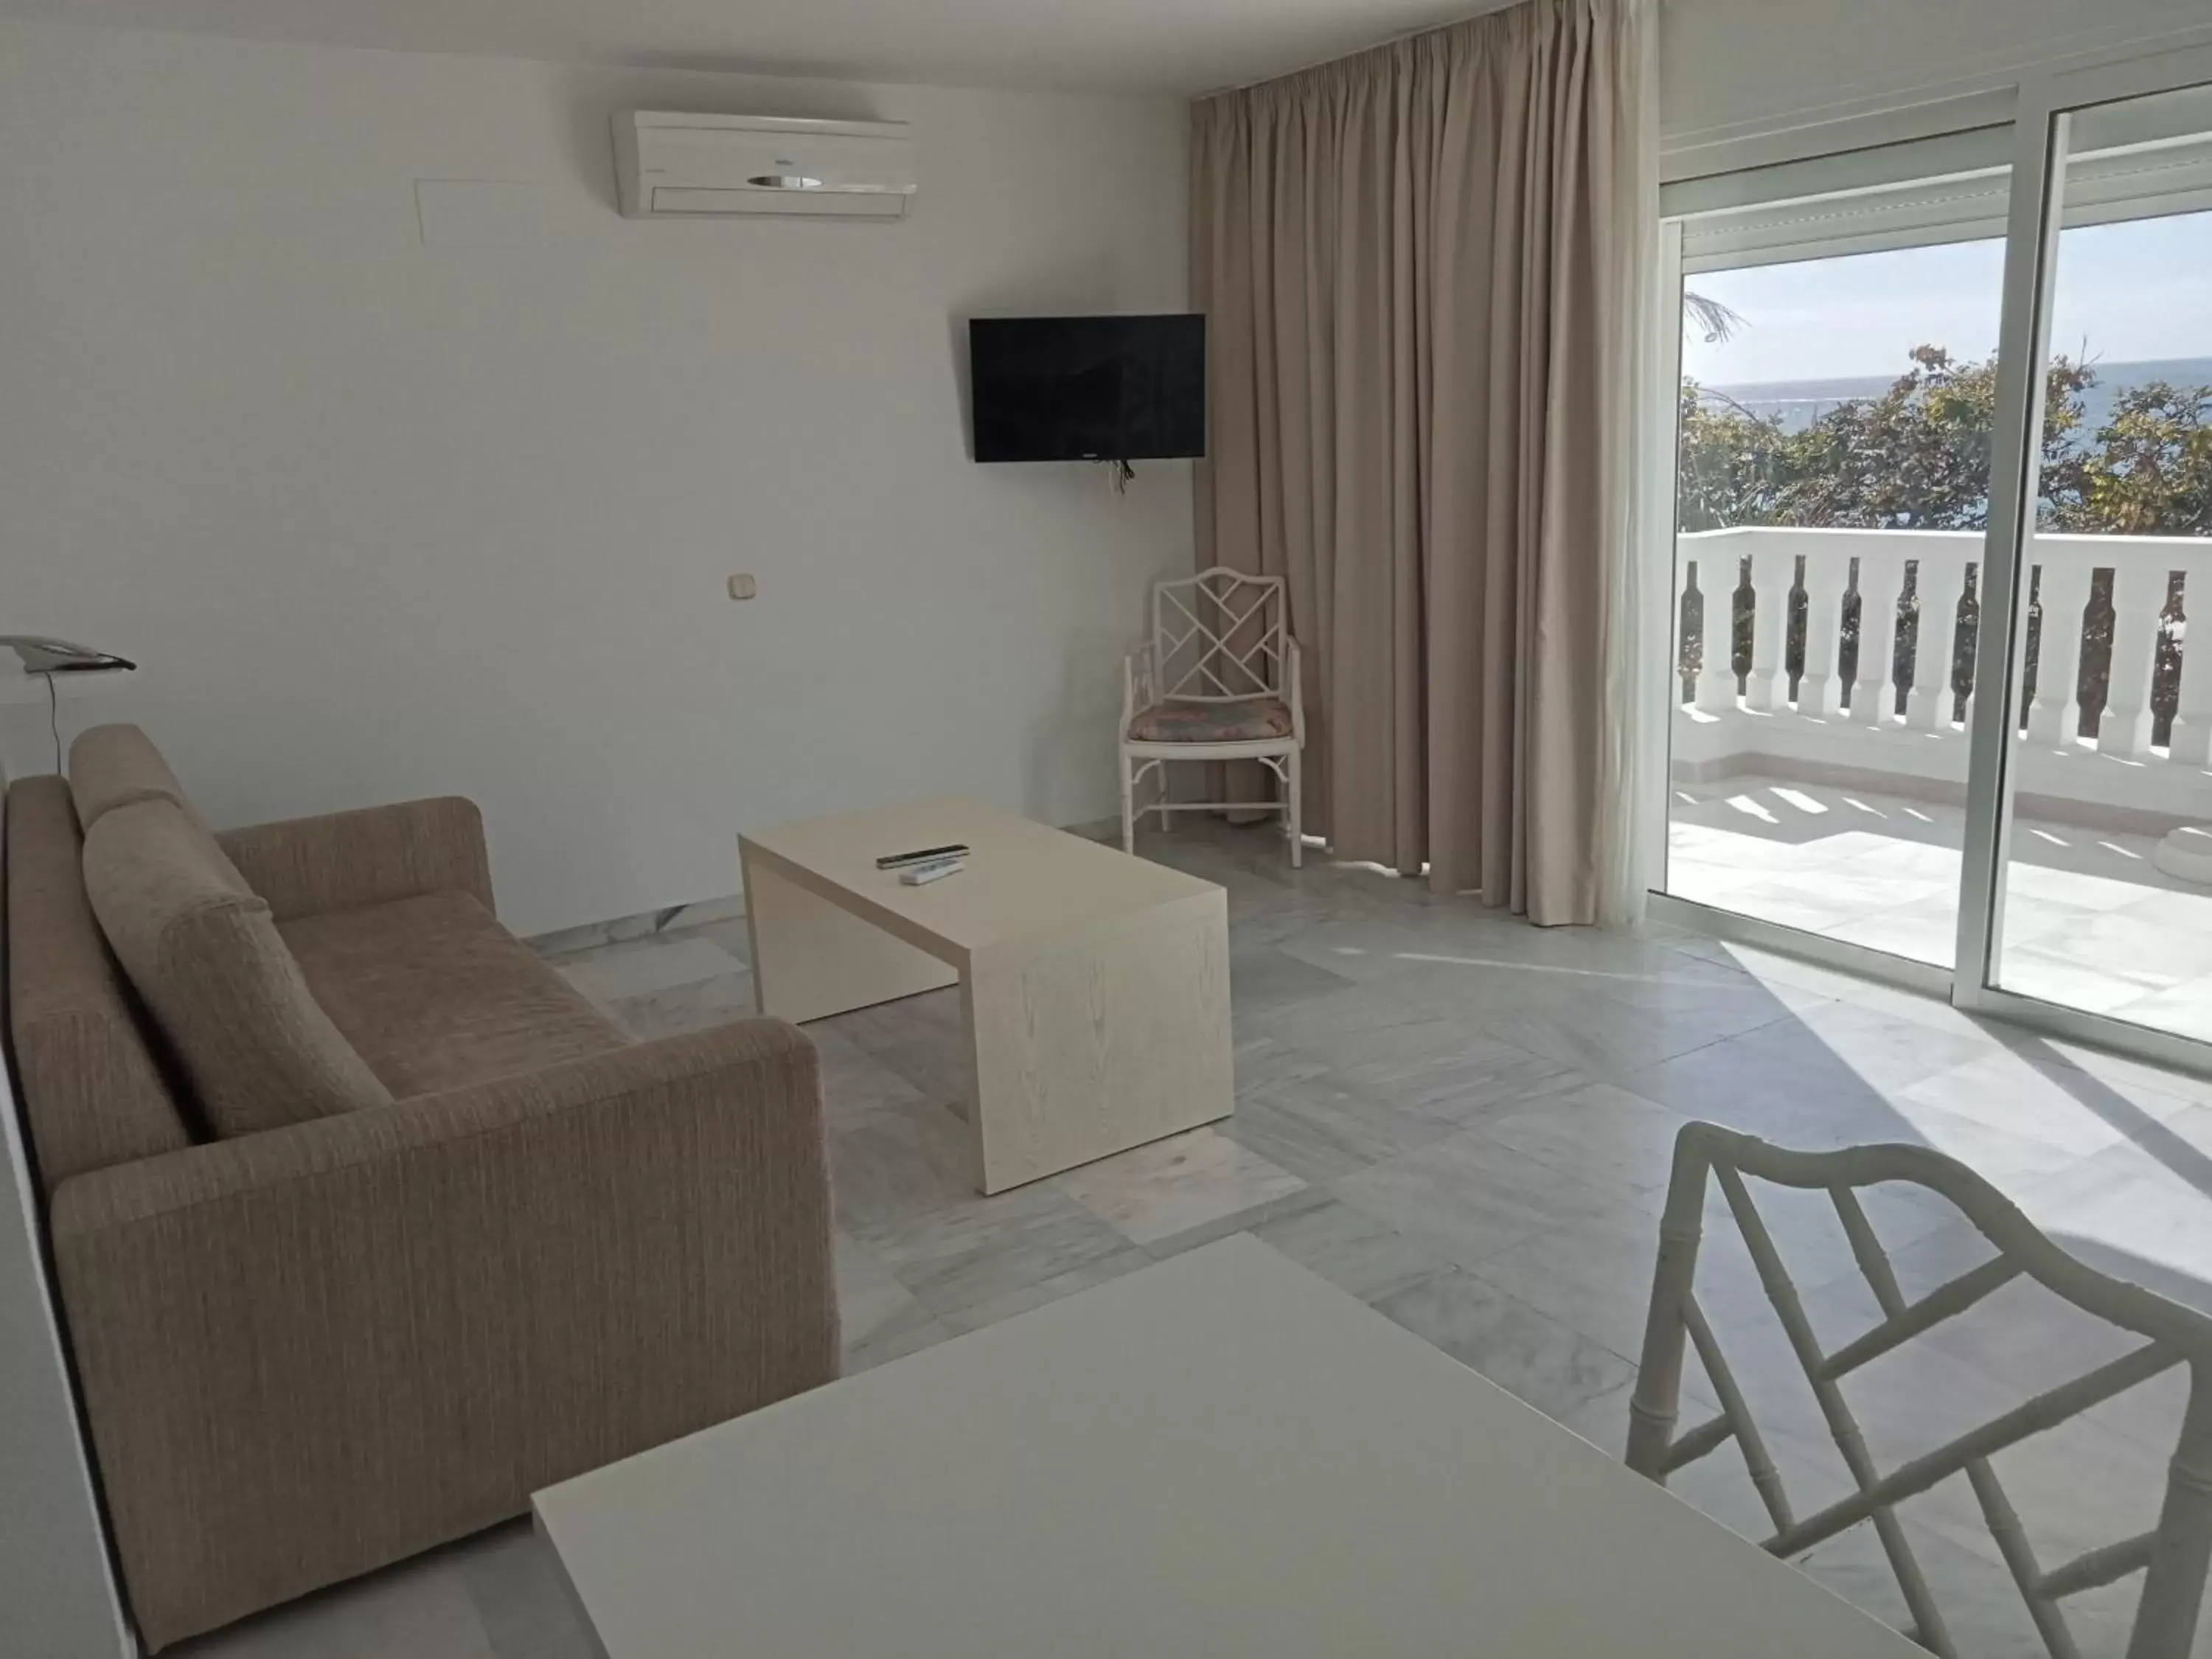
column 702, row 165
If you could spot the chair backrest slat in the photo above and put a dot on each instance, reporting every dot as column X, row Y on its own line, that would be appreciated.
column 1218, row 637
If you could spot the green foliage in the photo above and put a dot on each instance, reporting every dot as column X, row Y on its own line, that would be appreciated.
column 1915, row 458
column 2150, row 471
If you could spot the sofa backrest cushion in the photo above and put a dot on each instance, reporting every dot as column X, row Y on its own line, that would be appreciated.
column 202, row 949
column 93, row 1092
column 112, row 766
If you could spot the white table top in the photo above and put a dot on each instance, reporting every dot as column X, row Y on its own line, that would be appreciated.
column 1023, row 880
column 1220, row 1455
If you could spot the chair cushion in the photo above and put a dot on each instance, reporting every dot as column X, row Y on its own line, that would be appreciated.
column 435, row 994
column 201, row 949
column 94, row 1092
column 1245, row 720
column 112, row 766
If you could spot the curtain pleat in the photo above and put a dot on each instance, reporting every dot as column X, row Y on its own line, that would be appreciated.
column 1408, row 260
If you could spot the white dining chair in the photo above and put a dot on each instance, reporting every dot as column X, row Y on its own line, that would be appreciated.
column 1217, row 680
column 2172, row 1555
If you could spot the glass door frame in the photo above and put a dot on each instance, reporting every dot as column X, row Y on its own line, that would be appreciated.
column 2040, row 133
column 1965, row 152
column 2035, row 206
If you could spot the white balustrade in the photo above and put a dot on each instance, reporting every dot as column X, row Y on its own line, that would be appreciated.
column 2118, row 767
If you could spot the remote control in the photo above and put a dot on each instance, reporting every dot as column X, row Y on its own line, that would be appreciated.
column 920, row 875
column 922, row 855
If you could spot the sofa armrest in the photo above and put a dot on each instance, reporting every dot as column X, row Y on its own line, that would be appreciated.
column 306, row 865
column 309, row 1353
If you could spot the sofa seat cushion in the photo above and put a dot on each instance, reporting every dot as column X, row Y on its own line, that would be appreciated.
column 435, row 994
column 1244, row 720
column 204, row 954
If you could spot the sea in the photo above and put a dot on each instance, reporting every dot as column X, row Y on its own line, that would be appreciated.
column 1800, row 403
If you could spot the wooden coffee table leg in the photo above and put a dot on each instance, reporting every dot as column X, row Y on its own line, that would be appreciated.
column 812, row 959
column 1086, row 1046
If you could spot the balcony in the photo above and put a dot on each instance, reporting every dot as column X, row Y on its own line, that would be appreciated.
column 1835, row 804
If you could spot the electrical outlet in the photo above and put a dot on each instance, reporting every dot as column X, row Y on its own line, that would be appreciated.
column 742, row 586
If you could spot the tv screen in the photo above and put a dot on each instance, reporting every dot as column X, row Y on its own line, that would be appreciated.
column 1087, row 388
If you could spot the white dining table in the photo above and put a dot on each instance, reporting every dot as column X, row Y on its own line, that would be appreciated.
column 1220, row 1455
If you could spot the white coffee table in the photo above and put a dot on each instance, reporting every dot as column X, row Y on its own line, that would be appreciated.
column 1095, row 986
column 1219, row 1455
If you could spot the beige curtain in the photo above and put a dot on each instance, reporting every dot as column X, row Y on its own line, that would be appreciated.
column 1412, row 261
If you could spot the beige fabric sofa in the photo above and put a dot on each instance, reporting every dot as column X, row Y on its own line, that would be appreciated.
column 483, row 1245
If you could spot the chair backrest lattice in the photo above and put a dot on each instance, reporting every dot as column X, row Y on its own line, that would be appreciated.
column 1219, row 636
column 2173, row 1556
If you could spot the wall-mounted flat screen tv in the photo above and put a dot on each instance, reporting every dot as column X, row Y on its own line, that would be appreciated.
column 1087, row 388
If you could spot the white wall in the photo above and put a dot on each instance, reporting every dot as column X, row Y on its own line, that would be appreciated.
column 384, row 519
column 1729, row 68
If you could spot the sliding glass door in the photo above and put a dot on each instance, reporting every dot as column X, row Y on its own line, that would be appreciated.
column 1943, row 463
column 1836, row 413
column 2097, row 805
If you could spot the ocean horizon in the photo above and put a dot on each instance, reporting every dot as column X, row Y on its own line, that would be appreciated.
column 1800, row 403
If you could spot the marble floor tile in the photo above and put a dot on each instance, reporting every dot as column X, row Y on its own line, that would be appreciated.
column 935, row 1065
column 1793, row 1090
column 892, row 1166
column 1319, row 1128
column 514, row 1581
column 1020, row 1300
column 909, row 1333
column 857, row 1087
column 1594, row 1277
column 733, row 936
column 1153, row 1192
column 2053, row 1105
column 1599, row 1129
column 418, row 1609
column 955, row 1257
column 638, row 967
column 1352, row 1250
column 1263, row 977
column 1468, row 1197
column 869, row 1295
column 1553, row 1368
column 677, row 1009
column 1239, row 1221
column 1453, row 1072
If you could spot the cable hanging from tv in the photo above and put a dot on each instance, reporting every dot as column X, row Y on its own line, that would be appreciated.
column 1123, row 475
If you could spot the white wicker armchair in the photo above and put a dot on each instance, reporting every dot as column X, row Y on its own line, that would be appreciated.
column 1217, row 680
column 2173, row 1556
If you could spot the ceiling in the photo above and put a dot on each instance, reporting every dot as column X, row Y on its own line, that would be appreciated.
column 1126, row 45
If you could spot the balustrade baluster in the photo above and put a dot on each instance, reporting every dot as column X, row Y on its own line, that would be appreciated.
column 1773, row 572
column 1715, row 684
column 1873, row 697
column 1827, row 575
column 1942, row 585
column 2055, row 717
column 2192, row 718
column 2138, row 595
